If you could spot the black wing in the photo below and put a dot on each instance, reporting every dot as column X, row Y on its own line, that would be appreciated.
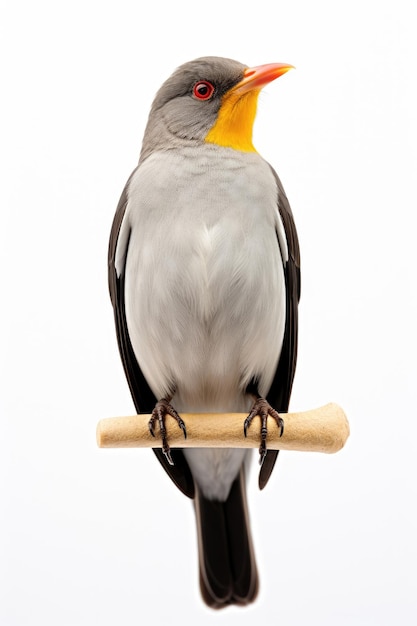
column 280, row 391
column 142, row 394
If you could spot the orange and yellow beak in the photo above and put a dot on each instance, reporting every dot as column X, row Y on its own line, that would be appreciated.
column 258, row 77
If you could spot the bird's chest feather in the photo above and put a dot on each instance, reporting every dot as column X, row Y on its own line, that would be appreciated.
column 204, row 280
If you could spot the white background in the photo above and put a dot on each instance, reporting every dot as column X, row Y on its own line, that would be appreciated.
column 93, row 536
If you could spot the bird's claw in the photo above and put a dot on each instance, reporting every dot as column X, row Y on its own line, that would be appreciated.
column 161, row 410
column 262, row 408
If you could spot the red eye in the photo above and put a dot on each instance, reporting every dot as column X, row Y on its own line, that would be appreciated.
column 203, row 90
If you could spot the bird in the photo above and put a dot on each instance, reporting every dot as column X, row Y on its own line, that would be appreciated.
column 204, row 279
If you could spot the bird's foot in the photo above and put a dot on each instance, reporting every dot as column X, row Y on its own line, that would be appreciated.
column 161, row 410
column 262, row 408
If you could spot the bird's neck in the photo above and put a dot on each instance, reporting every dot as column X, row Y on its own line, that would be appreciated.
column 234, row 125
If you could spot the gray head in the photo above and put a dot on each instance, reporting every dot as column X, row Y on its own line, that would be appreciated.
column 189, row 104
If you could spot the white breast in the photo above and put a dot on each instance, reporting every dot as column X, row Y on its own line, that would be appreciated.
column 205, row 291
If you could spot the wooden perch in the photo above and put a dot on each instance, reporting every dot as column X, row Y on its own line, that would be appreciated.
column 325, row 429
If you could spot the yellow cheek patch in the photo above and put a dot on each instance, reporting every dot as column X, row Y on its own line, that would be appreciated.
column 234, row 124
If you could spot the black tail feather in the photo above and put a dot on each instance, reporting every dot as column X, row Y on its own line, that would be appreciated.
column 228, row 573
